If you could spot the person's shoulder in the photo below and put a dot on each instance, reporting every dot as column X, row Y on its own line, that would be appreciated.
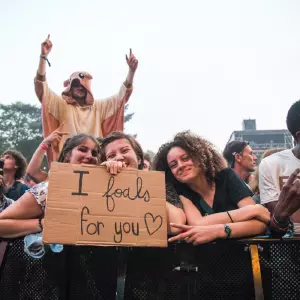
column 277, row 157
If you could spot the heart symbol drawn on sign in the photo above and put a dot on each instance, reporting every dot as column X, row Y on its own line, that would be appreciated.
column 152, row 220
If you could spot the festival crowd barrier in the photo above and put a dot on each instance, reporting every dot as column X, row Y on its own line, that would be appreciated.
column 125, row 217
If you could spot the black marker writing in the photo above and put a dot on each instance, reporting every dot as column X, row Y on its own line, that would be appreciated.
column 110, row 194
column 90, row 228
column 126, row 228
column 80, row 183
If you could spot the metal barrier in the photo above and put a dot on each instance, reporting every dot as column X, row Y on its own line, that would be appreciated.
column 243, row 269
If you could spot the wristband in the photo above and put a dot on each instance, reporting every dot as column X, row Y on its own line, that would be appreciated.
column 46, row 59
column 46, row 142
column 278, row 226
column 44, row 146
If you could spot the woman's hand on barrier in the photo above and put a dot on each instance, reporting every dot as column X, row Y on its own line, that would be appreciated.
column 114, row 167
column 198, row 234
column 289, row 198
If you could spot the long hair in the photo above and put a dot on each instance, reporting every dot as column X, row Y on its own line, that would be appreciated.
column 202, row 152
column 75, row 141
column 121, row 135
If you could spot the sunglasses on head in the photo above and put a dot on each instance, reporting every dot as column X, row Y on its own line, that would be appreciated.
column 238, row 152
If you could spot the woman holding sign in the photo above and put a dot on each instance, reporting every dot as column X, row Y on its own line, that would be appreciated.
column 25, row 215
column 120, row 150
column 212, row 194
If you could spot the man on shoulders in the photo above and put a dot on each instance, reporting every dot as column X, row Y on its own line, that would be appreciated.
column 76, row 106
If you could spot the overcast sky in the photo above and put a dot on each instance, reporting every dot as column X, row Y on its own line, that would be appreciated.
column 203, row 65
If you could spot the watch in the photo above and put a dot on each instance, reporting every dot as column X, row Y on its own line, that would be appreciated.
column 227, row 230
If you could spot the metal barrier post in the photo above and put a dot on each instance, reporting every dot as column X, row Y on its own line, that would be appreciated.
column 258, row 288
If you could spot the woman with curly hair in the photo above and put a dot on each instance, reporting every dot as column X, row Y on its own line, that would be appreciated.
column 212, row 195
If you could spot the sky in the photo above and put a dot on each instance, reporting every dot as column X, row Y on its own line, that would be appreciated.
column 204, row 66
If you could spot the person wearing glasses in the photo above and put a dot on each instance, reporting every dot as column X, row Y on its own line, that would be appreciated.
column 76, row 107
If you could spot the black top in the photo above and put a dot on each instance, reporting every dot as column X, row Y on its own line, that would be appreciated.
column 230, row 189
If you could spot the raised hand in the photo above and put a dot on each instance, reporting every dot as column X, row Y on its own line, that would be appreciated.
column 132, row 61
column 56, row 135
column 289, row 198
column 46, row 46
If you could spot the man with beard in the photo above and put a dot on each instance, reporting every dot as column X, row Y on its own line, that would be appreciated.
column 76, row 107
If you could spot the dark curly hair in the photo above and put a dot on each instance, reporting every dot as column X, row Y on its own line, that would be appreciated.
column 75, row 141
column 20, row 162
column 121, row 135
column 202, row 152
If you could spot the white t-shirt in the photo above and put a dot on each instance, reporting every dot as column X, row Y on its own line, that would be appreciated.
column 274, row 171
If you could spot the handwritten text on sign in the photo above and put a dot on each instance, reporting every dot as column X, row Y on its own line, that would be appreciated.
column 86, row 205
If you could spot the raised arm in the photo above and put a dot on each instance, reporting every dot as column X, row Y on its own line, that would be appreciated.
column 132, row 64
column 34, row 167
column 41, row 72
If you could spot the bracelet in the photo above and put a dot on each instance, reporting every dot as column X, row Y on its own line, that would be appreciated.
column 46, row 142
column 278, row 226
column 46, row 59
column 40, row 223
column 44, row 146
column 229, row 216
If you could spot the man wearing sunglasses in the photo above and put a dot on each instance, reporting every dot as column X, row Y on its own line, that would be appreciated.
column 240, row 158
column 76, row 107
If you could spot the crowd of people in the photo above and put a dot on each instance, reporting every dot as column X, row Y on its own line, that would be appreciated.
column 209, row 195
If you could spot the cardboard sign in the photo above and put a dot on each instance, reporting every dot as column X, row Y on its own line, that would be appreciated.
column 88, row 206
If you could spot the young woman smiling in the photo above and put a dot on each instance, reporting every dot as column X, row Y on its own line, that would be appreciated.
column 212, row 194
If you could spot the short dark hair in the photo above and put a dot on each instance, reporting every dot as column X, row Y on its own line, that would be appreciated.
column 117, row 135
column 293, row 118
column 231, row 149
column 20, row 162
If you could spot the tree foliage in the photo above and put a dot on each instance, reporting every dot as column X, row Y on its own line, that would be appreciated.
column 20, row 128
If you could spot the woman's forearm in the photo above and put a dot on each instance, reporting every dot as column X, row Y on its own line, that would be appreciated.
column 18, row 228
column 174, row 215
column 237, row 215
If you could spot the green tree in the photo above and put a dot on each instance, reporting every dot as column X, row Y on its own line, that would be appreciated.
column 127, row 116
column 20, row 128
